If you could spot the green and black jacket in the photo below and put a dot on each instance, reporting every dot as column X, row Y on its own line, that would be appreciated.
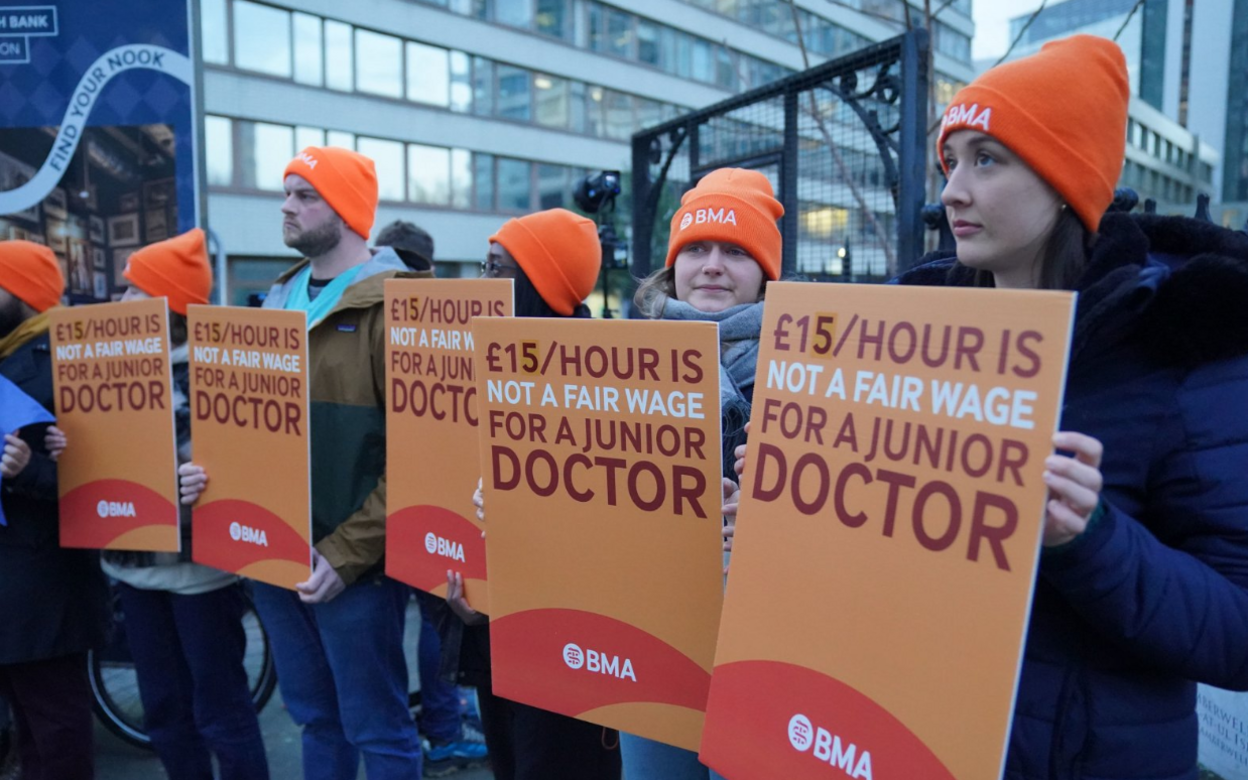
column 347, row 372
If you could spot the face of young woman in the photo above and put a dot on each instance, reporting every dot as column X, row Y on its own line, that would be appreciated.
column 712, row 276
column 1001, row 212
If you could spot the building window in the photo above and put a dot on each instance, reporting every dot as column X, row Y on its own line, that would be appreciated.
column 513, row 93
column 620, row 40
column 214, row 31
column 309, row 64
column 428, row 174
column 340, row 139
column 266, row 150
column 428, row 74
column 378, row 63
column 553, row 186
column 482, row 86
column 261, row 38
column 483, row 181
column 461, row 82
column 619, row 115
column 461, row 178
column 514, row 185
column 551, row 101
column 309, row 136
column 553, row 18
column 219, row 150
column 515, row 13
column 388, row 159
column 339, row 62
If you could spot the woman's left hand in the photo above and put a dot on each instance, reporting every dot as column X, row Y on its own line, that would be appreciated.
column 1074, row 486
column 458, row 604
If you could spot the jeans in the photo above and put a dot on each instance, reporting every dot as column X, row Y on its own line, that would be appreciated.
column 188, row 656
column 52, row 703
column 439, row 700
column 343, row 678
column 645, row 759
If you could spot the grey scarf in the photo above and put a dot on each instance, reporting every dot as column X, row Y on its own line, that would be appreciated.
column 739, row 329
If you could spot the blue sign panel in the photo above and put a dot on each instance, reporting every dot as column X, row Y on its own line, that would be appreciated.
column 97, row 132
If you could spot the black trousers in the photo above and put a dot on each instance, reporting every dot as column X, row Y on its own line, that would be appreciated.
column 52, row 702
column 527, row 743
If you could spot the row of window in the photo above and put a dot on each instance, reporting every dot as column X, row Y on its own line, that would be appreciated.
column 251, row 155
column 1139, row 136
column 1150, row 183
column 322, row 52
column 823, row 36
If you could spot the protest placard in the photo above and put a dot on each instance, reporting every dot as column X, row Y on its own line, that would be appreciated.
column 431, row 430
column 249, row 423
column 600, row 446
column 888, row 534
column 114, row 400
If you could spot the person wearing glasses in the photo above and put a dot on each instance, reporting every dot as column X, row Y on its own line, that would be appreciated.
column 554, row 257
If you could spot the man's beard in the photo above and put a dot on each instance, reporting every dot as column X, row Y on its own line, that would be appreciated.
column 318, row 241
column 11, row 315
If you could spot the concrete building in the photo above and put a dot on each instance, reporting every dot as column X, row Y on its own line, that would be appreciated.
column 480, row 110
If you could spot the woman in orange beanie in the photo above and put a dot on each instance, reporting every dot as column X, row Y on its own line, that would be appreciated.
column 183, row 619
column 554, row 258
column 1142, row 587
column 723, row 248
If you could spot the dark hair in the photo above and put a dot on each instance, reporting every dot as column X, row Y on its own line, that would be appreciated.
column 414, row 244
column 530, row 303
column 177, row 329
column 1064, row 255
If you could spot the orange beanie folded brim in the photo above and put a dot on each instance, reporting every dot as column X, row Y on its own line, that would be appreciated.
column 735, row 206
column 1062, row 110
column 558, row 251
column 346, row 180
column 176, row 269
column 31, row 273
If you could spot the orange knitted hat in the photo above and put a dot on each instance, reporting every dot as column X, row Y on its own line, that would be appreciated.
column 734, row 205
column 1063, row 110
column 346, row 180
column 31, row 273
column 560, row 253
column 177, row 269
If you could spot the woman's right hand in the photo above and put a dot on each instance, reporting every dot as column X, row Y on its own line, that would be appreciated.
column 458, row 604
column 55, row 442
column 192, row 479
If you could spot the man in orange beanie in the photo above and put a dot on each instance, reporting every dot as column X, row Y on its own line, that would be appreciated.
column 176, row 269
column 52, row 600
column 316, row 630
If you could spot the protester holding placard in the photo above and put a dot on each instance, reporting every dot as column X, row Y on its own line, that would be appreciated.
column 554, row 257
column 53, row 600
column 184, row 620
column 717, row 270
column 1143, row 583
column 338, row 638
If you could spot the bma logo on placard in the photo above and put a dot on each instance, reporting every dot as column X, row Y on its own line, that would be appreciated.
column 829, row 748
column 115, row 509
column 436, row 545
column 242, row 533
column 595, row 661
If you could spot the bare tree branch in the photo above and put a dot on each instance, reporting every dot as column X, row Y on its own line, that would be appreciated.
column 1125, row 22
column 880, row 233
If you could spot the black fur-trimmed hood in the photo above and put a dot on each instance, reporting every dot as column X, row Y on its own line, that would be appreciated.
column 1180, row 283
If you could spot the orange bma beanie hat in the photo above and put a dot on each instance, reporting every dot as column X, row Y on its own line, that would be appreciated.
column 1063, row 110
column 177, row 269
column 346, row 180
column 560, row 253
column 31, row 273
column 733, row 205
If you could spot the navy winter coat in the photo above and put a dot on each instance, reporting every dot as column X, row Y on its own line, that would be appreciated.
column 1154, row 597
column 53, row 602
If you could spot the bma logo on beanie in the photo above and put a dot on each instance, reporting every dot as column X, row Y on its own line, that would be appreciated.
column 708, row 216
column 967, row 116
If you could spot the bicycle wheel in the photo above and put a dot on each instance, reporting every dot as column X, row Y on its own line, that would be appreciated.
column 115, row 685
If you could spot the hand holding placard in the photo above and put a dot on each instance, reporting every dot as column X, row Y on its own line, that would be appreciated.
column 16, row 456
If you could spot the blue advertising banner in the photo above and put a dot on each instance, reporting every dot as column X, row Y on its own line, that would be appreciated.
column 97, row 132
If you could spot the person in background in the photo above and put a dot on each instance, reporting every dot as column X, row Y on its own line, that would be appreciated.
column 448, row 741
column 183, row 621
column 554, row 257
column 338, row 637
column 715, row 272
column 53, row 601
